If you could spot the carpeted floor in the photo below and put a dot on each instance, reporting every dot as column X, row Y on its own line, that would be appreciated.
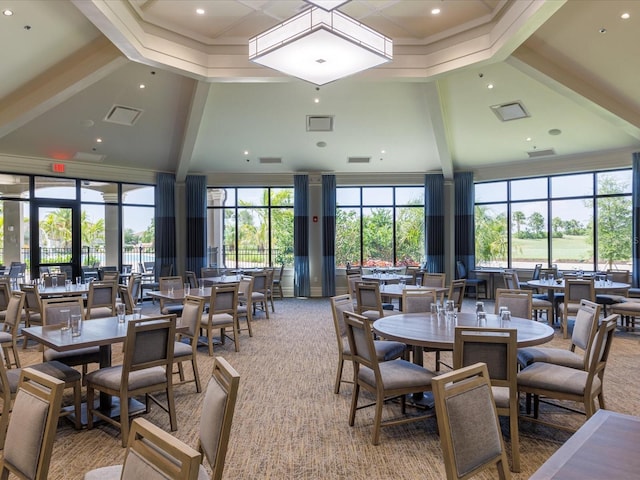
column 290, row 425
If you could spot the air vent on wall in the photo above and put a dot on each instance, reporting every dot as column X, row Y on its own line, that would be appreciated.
column 510, row 111
column 541, row 153
column 270, row 160
column 319, row 123
column 358, row 159
column 123, row 115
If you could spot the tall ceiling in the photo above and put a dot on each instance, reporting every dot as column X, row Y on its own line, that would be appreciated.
column 573, row 65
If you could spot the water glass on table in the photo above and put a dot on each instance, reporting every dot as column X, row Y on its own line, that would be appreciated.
column 120, row 310
column 76, row 325
column 137, row 313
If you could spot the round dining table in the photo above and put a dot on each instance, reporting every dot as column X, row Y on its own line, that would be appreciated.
column 435, row 331
column 558, row 284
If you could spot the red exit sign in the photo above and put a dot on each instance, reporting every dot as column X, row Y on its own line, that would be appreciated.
column 57, row 167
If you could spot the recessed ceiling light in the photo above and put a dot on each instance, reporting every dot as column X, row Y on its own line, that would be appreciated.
column 625, row 16
column 7, row 12
column 383, row 151
column 200, row 11
column 490, row 86
column 98, row 140
column 316, row 100
column 528, row 139
column 435, row 11
column 246, row 152
column 603, row 30
column 142, row 85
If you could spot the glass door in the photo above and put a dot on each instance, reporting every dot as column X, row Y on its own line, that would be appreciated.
column 56, row 238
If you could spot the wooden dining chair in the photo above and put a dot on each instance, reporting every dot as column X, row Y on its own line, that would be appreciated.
column 497, row 348
column 384, row 380
column 456, row 292
column 223, row 315
column 468, row 423
column 10, row 328
column 575, row 290
column 518, row 302
column 186, row 347
column 32, row 428
column 146, row 369
column 101, row 299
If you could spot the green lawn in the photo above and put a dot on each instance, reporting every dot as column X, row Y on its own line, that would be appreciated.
column 568, row 248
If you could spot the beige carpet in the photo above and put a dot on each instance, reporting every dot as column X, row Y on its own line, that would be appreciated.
column 290, row 425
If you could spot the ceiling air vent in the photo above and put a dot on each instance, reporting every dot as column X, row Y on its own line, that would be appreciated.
column 541, row 153
column 270, row 160
column 88, row 157
column 319, row 123
column 123, row 115
column 510, row 111
column 358, row 159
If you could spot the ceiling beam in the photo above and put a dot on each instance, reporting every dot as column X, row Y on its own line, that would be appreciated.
column 192, row 128
column 434, row 108
column 596, row 98
column 59, row 83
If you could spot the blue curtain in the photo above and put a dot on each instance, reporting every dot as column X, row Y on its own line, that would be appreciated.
column 434, row 222
column 328, row 235
column 301, row 284
column 636, row 220
column 165, row 195
column 464, row 222
column 196, row 206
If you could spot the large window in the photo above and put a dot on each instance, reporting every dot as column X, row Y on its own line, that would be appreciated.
column 579, row 221
column 250, row 227
column 379, row 226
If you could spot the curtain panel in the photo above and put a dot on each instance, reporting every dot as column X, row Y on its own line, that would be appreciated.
column 434, row 222
column 196, row 206
column 464, row 221
column 635, row 244
column 328, row 235
column 165, row 197
column 301, row 283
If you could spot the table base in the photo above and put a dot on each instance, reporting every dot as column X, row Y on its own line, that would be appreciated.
column 135, row 407
column 421, row 400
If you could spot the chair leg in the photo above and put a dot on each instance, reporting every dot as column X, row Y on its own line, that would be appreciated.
column 77, row 404
column 236, row 335
column 354, row 402
column 515, row 439
column 89, row 407
column 377, row 420
column 171, row 405
column 210, row 340
column 336, row 388
column 124, row 419
column 196, row 375
column 265, row 305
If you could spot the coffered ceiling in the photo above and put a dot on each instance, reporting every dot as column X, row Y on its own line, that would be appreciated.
column 572, row 66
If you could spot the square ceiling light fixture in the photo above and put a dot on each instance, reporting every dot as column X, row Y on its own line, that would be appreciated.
column 320, row 46
column 327, row 5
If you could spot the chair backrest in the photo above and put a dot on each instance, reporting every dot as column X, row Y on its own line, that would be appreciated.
column 206, row 272
column 578, row 289
column 127, row 268
column 155, row 454
column 456, row 292
column 101, row 294
column 32, row 426
column 191, row 278
column 13, row 312
column 339, row 305
column 518, row 302
column 417, row 300
column 110, row 275
column 260, row 282
column 224, row 299
column 5, row 294
column 496, row 347
column 135, row 280
column 368, row 297
column 270, row 277
column 166, row 270
column 192, row 310
column 586, row 325
column 549, row 270
column 217, row 415
column 149, row 267
column 126, row 298
column 433, row 279
column 536, row 271
column 60, row 277
column 363, row 351
column 149, row 343
column 621, row 276
column 245, row 288
column 279, row 277
column 351, row 282
column 598, row 352
column 461, row 269
column 57, row 310
column 166, row 283
column 510, row 280
column 42, row 269
column 32, row 302
column 468, row 423
column 16, row 270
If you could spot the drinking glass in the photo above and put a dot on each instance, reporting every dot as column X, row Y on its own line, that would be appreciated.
column 505, row 316
column 67, row 285
column 187, row 288
column 120, row 309
column 479, row 307
column 137, row 313
column 419, row 281
column 54, row 281
column 76, row 325
column 482, row 318
column 66, row 319
column 78, row 280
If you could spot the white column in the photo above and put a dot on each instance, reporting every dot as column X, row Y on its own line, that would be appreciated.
column 13, row 230
column 215, row 220
column 111, row 230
